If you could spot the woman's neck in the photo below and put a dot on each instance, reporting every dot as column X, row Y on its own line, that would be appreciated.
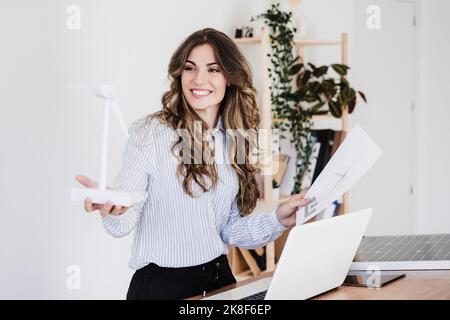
column 210, row 116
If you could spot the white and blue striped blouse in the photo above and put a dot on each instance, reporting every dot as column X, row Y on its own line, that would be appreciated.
column 172, row 228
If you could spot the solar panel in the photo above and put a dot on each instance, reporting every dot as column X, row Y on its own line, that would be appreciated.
column 408, row 252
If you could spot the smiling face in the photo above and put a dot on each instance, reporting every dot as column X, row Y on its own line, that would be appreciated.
column 202, row 80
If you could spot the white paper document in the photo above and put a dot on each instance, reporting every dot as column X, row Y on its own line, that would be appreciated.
column 354, row 157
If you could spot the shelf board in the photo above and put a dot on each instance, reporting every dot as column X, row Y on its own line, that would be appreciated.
column 319, row 117
column 244, row 272
column 326, row 121
column 299, row 42
column 312, row 42
column 323, row 121
column 247, row 40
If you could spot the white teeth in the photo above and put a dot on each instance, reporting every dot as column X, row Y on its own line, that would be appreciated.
column 201, row 92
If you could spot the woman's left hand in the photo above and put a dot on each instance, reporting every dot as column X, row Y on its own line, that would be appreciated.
column 287, row 212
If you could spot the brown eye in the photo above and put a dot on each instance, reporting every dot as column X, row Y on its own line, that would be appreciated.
column 188, row 68
column 214, row 70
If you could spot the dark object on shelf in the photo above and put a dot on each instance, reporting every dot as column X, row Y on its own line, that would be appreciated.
column 260, row 259
column 238, row 33
column 247, row 32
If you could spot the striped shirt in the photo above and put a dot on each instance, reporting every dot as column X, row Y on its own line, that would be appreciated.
column 173, row 229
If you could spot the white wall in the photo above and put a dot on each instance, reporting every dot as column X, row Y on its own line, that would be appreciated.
column 386, row 75
column 433, row 118
column 49, row 133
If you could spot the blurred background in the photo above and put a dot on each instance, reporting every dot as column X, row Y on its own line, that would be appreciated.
column 49, row 133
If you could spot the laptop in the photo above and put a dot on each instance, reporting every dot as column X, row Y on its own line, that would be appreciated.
column 316, row 258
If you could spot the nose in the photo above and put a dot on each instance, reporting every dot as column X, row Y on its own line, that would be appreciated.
column 200, row 78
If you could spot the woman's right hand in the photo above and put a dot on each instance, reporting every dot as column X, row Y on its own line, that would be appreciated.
column 287, row 212
column 104, row 209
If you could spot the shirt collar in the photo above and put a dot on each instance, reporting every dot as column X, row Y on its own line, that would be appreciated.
column 219, row 125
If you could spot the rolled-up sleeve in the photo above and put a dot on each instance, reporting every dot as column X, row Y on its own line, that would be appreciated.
column 252, row 231
column 133, row 176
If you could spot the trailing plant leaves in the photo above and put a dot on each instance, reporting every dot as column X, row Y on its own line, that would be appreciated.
column 319, row 72
column 363, row 96
column 295, row 69
column 341, row 69
column 317, row 106
column 335, row 110
column 297, row 58
column 329, row 88
column 299, row 94
column 305, row 77
column 352, row 95
column 351, row 105
column 346, row 93
column 313, row 67
column 314, row 89
column 310, row 98
column 298, row 81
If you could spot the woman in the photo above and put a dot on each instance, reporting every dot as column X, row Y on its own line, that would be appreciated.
column 194, row 208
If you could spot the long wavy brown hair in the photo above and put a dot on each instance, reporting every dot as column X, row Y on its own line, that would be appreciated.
column 238, row 109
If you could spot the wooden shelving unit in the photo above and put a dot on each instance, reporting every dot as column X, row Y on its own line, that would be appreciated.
column 241, row 261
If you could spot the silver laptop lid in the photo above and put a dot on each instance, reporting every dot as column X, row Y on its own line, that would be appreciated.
column 317, row 256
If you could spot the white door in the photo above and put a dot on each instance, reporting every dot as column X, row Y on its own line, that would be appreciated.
column 383, row 64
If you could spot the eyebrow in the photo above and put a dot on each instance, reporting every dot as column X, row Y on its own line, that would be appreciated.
column 208, row 64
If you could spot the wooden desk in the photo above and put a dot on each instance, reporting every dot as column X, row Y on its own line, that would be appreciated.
column 417, row 285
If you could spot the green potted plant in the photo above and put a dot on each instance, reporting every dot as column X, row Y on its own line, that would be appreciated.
column 315, row 90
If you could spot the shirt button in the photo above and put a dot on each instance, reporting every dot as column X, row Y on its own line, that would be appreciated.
column 217, row 264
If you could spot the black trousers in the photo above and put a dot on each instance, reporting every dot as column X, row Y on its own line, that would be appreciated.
column 155, row 282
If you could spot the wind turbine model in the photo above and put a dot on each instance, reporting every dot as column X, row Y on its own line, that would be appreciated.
column 102, row 195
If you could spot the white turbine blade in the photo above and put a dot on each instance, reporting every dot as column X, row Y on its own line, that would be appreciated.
column 104, row 91
column 119, row 117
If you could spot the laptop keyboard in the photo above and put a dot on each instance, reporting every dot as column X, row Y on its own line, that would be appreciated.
column 256, row 296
